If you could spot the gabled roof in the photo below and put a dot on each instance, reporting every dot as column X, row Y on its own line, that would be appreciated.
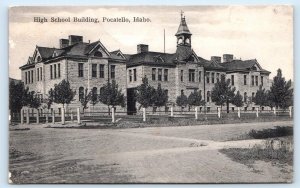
column 45, row 52
column 183, row 28
column 117, row 54
column 151, row 58
column 242, row 65
column 213, row 65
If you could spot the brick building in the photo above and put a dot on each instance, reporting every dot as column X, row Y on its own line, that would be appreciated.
column 90, row 65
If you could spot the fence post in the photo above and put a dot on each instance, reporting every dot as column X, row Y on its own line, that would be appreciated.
column 22, row 116
column 78, row 115
column 257, row 111
column 274, row 110
column 37, row 116
column 9, row 117
column 172, row 112
column 72, row 118
column 27, row 116
column 62, row 116
column 113, row 120
column 219, row 112
column 239, row 112
column 196, row 112
column 53, row 116
column 144, row 114
column 290, row 111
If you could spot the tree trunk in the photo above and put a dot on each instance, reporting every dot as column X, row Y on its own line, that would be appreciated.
column 227, row 104
column 108, row 110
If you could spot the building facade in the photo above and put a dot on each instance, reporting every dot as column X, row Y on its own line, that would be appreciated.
column 90, row 65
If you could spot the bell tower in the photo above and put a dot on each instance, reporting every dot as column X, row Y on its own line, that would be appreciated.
column 183, row 33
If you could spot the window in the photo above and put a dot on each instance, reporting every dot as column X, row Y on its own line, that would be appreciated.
column 28, row 77
column 166, row 74
column 38, row 74
column 208, row 96
column 130, row 75
column 80, row 69
column 101, row 71
column 245, row 97
column 25, row 77
column 51, row 72
column 207, row 77
column 245, row 79
column 167, row 92
column 41, row 72
column 212, row 77
column 81, row 93
column 208, row 109
column 94, row 92
column 232, row 80
column 262, row 80
column 102, row 90
column 54, row 70
column 98, row 54
column 159, row 77
column 113, row 71
column 200, row 75
column 94, row 70
column 252, row 80
column 218, row 77
column 191, row 75
column 253, row 95
column 153, row 74
column 134, row 74
column 181, row 75
column 58, row 70
column 31, row 76
column 256, row 80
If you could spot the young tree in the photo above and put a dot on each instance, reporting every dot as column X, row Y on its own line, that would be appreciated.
column 85, row 99
column 160, row 97
column 145, row 94
column 222, row 93
column 62, row 93
column 237, row 100
column 195, row 99
column 281, row 91
column 182, row 101
column 94, row 97
column 261, row 97
column 111, row 95
column 18, row 95
column 33, row 101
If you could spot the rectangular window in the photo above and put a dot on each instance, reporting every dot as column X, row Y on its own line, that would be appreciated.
column 94, row 70
column 252, row 80
column 256, row 80
column 181, row 75
column 208, row 96
column 54, row 70
column 159, row 78
column 80, row 69
column 31, row 76
column 101, row 71
column 41, row 72
column 113, row 71
column 245, row 79
column 38, row 74
column 218, row 77
column 58, row 70
column 232, row 80
column 166, row 74
column 134, row 74
column 153, row 74
column 130, row 75
column 28, row 77
column 262, row 80
column 200, row 76
column 51, row 72
column 212, row 77
column 25, row 77
column 207, row 77
column 191, row 75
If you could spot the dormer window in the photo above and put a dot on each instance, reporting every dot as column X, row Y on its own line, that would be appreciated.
column 39, row 58
column 98, row 54
column 159, row 60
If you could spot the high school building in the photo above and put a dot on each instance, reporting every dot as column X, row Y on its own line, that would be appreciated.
column 91, row 65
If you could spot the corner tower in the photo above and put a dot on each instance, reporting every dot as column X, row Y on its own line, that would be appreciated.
column 183, row 33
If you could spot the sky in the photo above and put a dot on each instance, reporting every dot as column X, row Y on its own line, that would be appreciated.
column 264, row 33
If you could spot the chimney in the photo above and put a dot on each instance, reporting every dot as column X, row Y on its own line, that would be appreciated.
column 227, row 57
column 73, row 39
column 63, row 43
column 142, row 48
column 216, row 59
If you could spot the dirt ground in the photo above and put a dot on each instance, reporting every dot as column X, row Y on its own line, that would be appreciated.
column 141, row 155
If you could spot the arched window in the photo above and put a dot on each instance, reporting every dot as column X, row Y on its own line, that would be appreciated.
column 245, row 97
column 98, row 54
column 81, row 93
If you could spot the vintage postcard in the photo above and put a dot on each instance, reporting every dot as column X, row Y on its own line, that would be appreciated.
column 151, row 94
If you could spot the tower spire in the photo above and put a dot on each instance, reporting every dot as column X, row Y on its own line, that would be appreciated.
column 183, row 33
